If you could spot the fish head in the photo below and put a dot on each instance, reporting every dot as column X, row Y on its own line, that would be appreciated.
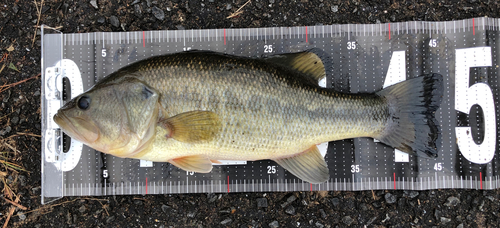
column 117, row 119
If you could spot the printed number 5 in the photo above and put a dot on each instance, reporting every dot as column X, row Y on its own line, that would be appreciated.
column 478, row 94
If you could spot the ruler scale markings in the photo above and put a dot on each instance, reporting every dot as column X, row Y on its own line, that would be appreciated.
column 481, row 179
column 473, row 27
column 265, row 36
column 348, row 32
column 436, row 180
column 359, row 183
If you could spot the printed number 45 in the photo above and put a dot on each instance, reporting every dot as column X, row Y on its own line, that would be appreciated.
column 477, row 94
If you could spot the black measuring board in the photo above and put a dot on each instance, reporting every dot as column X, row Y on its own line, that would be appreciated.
column 366, row 58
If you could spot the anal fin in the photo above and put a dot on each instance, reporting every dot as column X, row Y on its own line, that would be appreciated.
column 309, row 166
column 193, row 163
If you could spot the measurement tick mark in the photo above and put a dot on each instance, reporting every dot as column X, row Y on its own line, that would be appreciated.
column 144, row 45
column 473, row 28
column 481, row 179
column 390, row 35
column 306, row 42
column 394, row 173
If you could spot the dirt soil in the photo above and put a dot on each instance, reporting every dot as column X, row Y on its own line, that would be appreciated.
column 20, row 122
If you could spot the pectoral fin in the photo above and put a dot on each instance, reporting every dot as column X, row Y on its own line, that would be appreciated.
column 309, row 166
column 193, row 127
column 194, row 163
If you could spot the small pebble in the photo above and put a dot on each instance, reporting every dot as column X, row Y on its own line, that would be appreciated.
column 445, row 220
column 15, row 9
column 158, row 13
column 274, row 224
column 114, row 21
column 323, row 213
column 14, row 120
column 164, row 208
column 347, row 220
column 82, row 209
column 452, row 201
column 21, row 215
column 191, row 214
column 5, row 131
column 101, row 20
column 437, row 214
column 261, row 202
column 335, row 202
column 335, row 8
column 390, row 198
column 137, row 10
column 411, row 194
column 226, row 221
column 94, row 4
column 110, row 219
column 289, row 200
column 290, row 210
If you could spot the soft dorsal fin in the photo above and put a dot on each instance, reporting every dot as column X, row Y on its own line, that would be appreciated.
column 314, row 62
column 309, row 165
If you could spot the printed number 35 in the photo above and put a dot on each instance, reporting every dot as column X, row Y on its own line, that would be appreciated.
column 477, row 94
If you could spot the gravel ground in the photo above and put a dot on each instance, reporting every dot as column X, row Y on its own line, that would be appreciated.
column 20, row 122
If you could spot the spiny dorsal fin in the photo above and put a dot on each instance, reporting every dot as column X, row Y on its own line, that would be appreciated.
column 194, row 163
column 309, row 166
column 313, row 63
column 193, row 127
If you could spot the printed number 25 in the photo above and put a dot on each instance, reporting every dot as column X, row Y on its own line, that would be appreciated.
column 477, row 94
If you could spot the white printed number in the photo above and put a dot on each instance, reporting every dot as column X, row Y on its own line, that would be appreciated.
column 103, row 52
column 351, row 45
column 186, row 48
column 268, row 48
column 433, row 43
column 354, row 168
column 271, row 169
column 105, row 173
column 190, row 173
column 477, row 94
column 438, row 166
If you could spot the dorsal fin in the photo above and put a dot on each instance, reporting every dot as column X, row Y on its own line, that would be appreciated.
column 314, row 62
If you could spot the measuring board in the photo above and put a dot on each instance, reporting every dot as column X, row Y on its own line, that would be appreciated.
column 366, row 58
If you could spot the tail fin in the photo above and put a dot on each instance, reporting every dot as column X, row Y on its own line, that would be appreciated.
column 412, row 126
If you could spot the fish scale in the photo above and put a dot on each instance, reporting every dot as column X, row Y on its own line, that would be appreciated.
column 365, row 57
column 283, row 122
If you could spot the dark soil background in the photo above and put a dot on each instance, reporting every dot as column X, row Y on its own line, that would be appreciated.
column 20, row 122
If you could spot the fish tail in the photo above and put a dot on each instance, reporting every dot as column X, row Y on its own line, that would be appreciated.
column 412, row 126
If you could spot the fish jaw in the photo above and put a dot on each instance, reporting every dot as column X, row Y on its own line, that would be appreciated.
column 87, row 132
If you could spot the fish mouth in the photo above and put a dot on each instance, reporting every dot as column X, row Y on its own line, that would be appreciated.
column 77, row 128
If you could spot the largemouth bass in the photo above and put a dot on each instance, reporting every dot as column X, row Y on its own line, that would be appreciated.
column 194, row 108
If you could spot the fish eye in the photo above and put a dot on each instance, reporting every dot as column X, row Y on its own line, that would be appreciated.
column 84, row 102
